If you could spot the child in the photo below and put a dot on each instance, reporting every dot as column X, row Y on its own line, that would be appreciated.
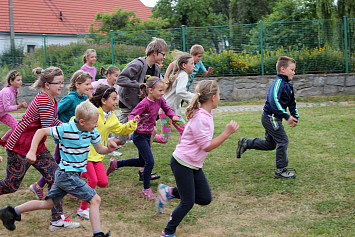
column 148, row 110
column 176, row 92
column 41, row 113
column 280, row 96
column 89, row 59
column 80, row 85
column 189, row 155
column 197, row 52
column 105, row 99
column 111, row 74
column 74, row 139
column 8, row 95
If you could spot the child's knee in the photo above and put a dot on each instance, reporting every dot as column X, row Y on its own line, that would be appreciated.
column 96, row 200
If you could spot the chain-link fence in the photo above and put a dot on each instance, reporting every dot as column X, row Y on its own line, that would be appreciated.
column 321, row 46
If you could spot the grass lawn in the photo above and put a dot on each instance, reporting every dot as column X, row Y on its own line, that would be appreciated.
column 247, row 200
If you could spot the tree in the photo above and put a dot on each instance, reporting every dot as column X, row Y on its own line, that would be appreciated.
column 248, row 12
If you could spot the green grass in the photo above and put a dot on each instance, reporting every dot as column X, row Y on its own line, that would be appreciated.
column 247, row 200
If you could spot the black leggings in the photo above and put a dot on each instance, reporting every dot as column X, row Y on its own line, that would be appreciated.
column 192, row 187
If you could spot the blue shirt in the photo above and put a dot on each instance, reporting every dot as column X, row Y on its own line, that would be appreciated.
column 67, row 105
column 199, row 67
column 74, row 145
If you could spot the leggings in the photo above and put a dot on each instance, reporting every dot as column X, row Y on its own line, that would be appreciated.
column 16, row 168
column 96, row 175
column 166, row 125
column 42, row 181
column 10, row 121
column 192, row 187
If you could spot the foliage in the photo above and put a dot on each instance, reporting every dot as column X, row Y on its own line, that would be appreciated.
column 12, row 57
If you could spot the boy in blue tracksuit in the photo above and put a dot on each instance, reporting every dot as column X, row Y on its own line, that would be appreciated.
column 280, row 96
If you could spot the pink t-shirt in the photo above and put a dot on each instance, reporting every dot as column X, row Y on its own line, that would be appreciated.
column 95, row 84
column 197, row 136
column 92, row 70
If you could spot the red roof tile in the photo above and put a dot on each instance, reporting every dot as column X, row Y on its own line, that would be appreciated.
column 43, row 16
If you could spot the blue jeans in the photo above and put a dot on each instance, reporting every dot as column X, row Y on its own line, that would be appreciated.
column 192, row 187
column 146, row 159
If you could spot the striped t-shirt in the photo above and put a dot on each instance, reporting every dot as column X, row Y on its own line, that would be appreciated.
column 74, row 145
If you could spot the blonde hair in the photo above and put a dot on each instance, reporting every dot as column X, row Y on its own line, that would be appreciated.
column 150, row 83
column 85, row 110
column 80, row 77
column 87, row 53
column 178, row 66
column 284, row 61
column 205, row 89
column 110, row 70
column 45, row 76
column 158, row 45
column 197, row 49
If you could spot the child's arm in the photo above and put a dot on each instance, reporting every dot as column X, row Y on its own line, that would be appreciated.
column 168, row 70
column 127, row 128
column 231, row 128
column 129, row 72
column 31, row 154
column 111, row 146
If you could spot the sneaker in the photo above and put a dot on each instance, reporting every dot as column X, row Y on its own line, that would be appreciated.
column 8, row 217
column 284, row 173
column 111, row 166
column 148, row 194
column 129, row 141
column 116, row 153
column 38, row 191
column 163, row 197
column 165, row 235
column 101, row 234
column 3, row 142
column 241, row 147
column 83, row 214
column 64, row 222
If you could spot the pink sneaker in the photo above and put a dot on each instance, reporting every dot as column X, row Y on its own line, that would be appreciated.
column 38, row 191
column 111, row 166
column 148, row 194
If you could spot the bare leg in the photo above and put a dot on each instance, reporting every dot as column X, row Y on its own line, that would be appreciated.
column 36, row 205
column 94, row 212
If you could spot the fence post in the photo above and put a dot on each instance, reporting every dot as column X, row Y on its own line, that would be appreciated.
column 346, row 45
column 112, row 52
column 44, row 50
column 261, row 47
column 183, row 38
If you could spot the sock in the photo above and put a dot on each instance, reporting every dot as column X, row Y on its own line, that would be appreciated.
column 97, row 231
column 17, row 211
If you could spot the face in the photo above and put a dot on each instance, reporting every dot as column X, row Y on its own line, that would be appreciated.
column 197, row 57
column 56, row 86
column 17, row 82
column 83, row 88
column 91, row 58
column 289, row 71
column 157, row 92
column 159, row 57
column 90, row 124
column 111, row 78
column 216, row 100
column 189, row 67
column 110, row 103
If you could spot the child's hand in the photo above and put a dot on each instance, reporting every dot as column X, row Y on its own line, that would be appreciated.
column 292, row 121
column 176, row 118
column 210, row 70
column 31, row 156
column 231, row 127
column 112, row 144
column 23, row 104
column 135, row 119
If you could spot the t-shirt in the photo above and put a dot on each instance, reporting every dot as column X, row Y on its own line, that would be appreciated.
column 199, row 67
column 150, row 72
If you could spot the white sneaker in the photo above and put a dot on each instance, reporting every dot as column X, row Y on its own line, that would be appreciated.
column 129, row 141
column 116, row 153
column 83, row 214
column 65, row 222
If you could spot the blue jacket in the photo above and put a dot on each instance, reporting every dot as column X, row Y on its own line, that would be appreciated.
column 67, row 105
column 280, row 96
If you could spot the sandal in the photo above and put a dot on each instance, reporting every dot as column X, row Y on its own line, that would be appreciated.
column 152, row 177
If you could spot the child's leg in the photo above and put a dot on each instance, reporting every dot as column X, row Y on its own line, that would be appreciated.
column 41, row 182
column 203, row 194
column 10, row 121
column 95, row 213
column 36, row 205
column 264, row 144
column 180, row 126
column 100, row 171
column 165, row 128
column 92, row 181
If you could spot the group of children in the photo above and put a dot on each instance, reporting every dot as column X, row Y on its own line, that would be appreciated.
column 140, row 92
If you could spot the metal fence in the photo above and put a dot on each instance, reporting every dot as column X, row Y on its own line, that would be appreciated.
column 320, row 46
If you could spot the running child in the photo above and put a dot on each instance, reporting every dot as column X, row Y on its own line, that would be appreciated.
column 111, row 74
column 148, row 110
column 74, row 139
column 190, row 154
column 89, row 59
column 8, row 95
column 105, row 99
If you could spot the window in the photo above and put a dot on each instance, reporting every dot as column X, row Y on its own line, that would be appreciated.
column 30, row 48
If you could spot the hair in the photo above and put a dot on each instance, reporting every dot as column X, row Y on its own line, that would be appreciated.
column 45, row 76
column 197, row 49
column 157, row 45
column 87, row 53
column 102, row 92
column 284, row 61
column 85, row 110
column 110, row 70
column 80, row 77
column 11, row 76
column 178, row 66
column 205, row 89
column 150, row 83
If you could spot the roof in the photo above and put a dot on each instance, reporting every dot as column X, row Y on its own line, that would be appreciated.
column 43, row 16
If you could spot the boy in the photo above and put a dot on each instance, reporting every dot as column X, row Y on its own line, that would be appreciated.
column 280, row 96
column 74, row 140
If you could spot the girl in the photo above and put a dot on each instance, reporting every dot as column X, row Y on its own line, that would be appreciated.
column 80, row 85
column 8, row 96
column 89, row 59
column 41, row 113
column 111, row 74
column 148, row 110
column 105, row 99
column 189, row 155
column 176, row 92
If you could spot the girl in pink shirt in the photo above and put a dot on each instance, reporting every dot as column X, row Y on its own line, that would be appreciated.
column 89, row 59
column 189, row 155
column 8, row 96
column 111, row 73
